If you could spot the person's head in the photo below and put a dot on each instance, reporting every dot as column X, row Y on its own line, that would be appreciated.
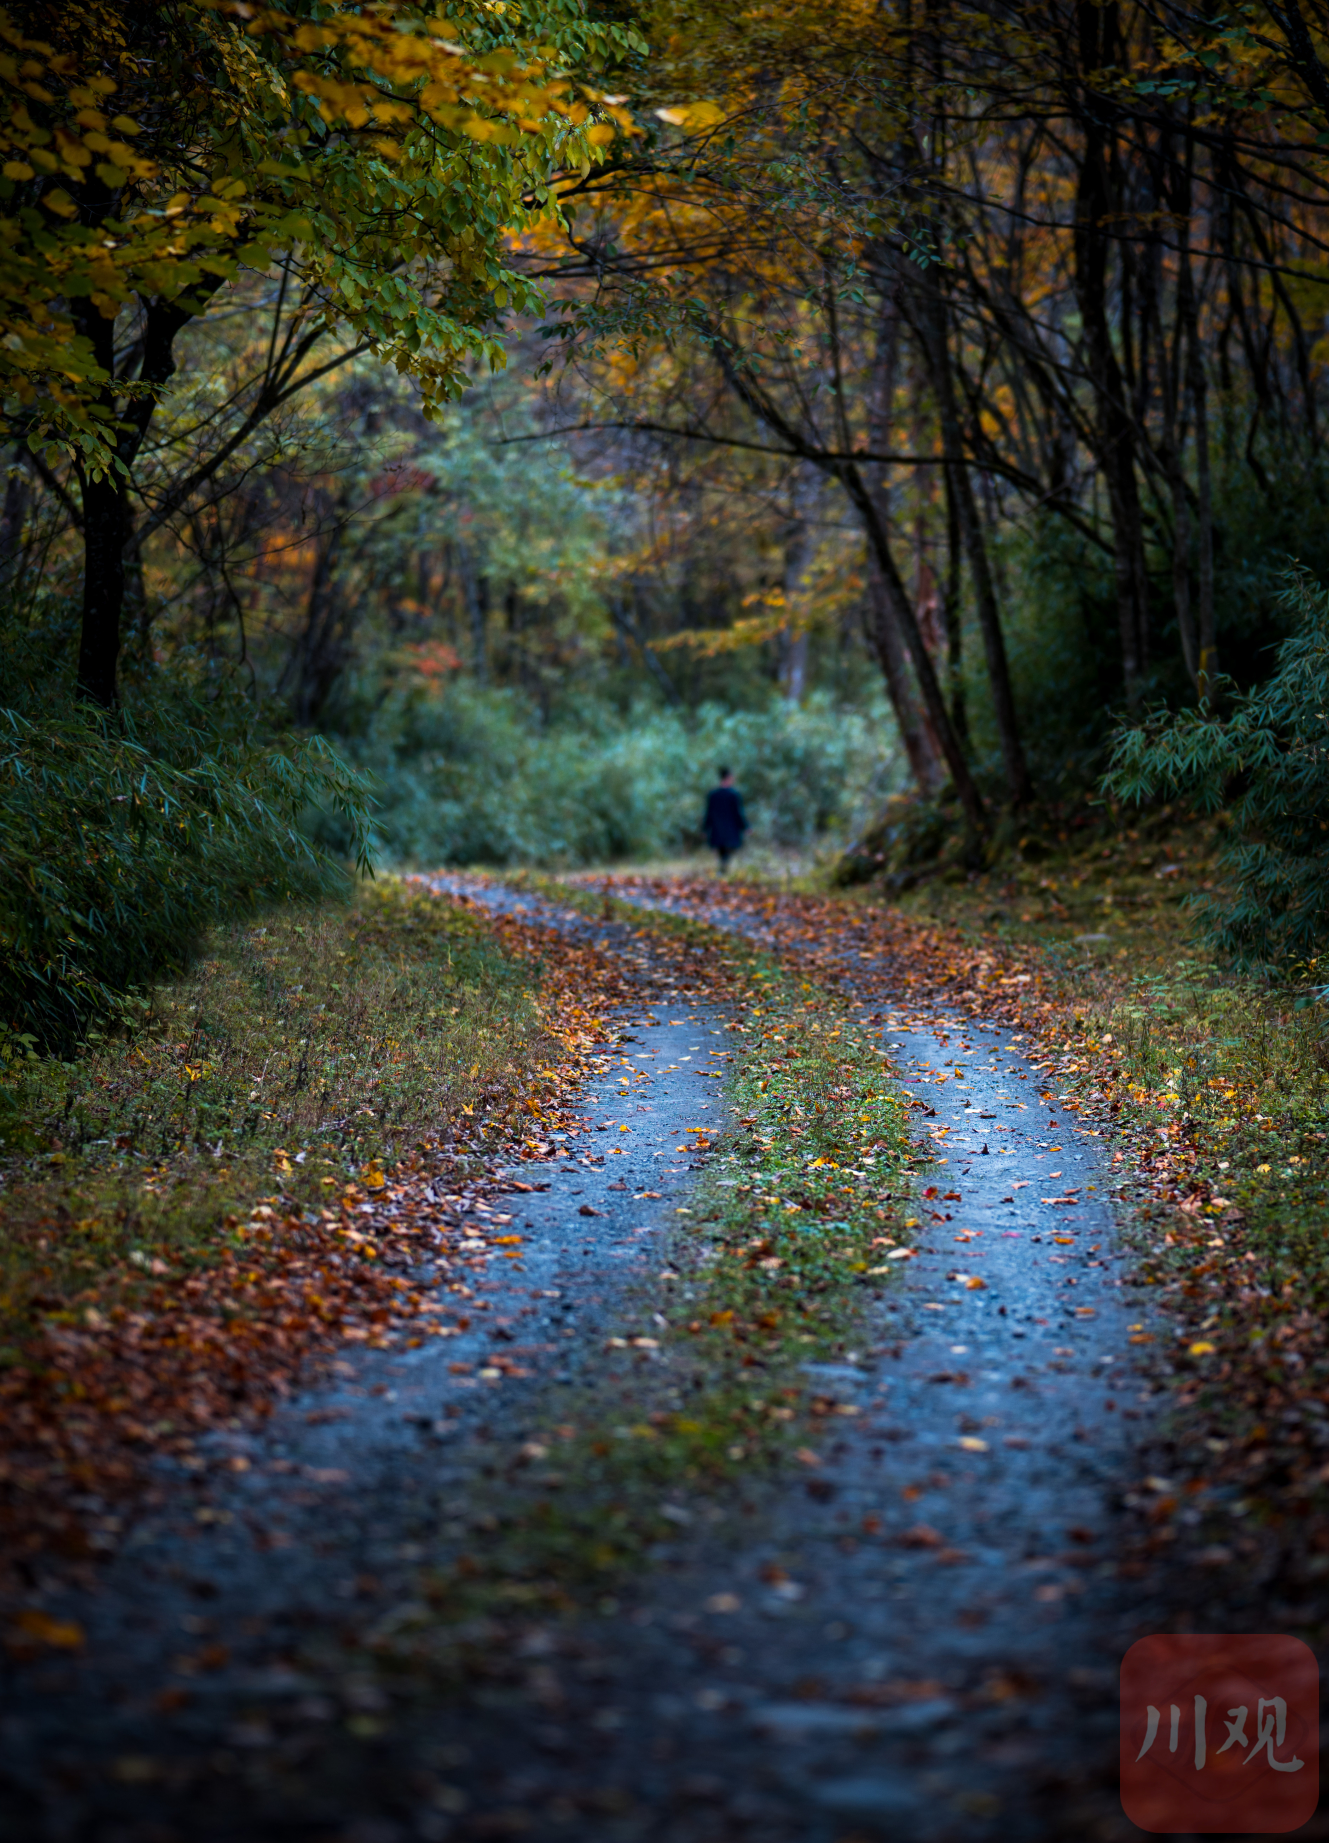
column 726, row 776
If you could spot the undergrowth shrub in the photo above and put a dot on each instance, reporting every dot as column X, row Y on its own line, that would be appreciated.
column 125, row 835
column 469, row 775
column 1267, row 759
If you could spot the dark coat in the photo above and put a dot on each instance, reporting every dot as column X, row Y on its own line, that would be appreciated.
column 725, row 821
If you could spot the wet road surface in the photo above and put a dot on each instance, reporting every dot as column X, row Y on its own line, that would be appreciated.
column 920, row 1640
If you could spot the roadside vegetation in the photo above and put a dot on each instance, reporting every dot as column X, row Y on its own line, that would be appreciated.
column 180, row 1230
column 294, row 1054
column 1215, row 1083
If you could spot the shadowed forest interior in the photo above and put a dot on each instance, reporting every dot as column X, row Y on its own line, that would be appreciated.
column 891, row 403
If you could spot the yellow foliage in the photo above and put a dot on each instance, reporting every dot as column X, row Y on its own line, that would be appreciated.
column 381, row 101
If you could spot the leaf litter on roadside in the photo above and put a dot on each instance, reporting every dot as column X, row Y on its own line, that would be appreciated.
column 1213, row 1095
column 114, row 1373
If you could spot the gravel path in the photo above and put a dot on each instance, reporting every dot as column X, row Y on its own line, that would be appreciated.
column 918, row 1640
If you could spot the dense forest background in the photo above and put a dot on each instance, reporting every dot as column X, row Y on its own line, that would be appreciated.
column 447, row 443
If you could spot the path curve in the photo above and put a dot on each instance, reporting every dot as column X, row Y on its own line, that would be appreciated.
column 923, row 1645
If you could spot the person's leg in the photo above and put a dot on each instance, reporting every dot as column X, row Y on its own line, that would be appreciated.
column 723, row 856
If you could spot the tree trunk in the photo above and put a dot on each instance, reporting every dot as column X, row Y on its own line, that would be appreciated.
column 1171, row 372
column 934, row 704
column 108, row 522
column 1207, row 664
column 1181, row 559
column 953, row 615
column 320, row 652
column 1198, row 642
column 1094, row 207
column 13, row 523
column 475, row 589
column 800, row 552
column 932, row 314
column 881, row 618
column 883, row 634
column 105, row 529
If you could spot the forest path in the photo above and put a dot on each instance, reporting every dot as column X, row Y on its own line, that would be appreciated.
column 224, row 1643
column 924, row 1639
column 963, row 1683
column 916, row 1637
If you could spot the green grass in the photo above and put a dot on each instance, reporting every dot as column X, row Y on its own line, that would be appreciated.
column 778, row 1259
column 292, row 1054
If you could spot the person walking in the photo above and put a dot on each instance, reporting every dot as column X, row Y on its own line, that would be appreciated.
column 725, row 821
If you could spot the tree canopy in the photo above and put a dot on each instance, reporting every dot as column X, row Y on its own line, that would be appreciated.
column 372, row 161
column 956, row 367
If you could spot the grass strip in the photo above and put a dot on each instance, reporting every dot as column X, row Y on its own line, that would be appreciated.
column 798, row 1229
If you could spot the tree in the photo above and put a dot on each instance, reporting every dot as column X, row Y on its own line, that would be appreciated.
column 371, row 167
column 1112, row 217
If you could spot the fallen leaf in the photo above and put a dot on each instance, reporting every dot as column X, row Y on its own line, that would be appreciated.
column 39, row 1628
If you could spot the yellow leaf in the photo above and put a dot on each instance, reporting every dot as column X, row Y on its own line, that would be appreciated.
column 693, row 115
column 972, row 1445
column 59, row 1634
column 1203, row 1349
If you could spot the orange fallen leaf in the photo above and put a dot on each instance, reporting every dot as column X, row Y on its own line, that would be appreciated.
column 922, row 1536
column 40, row 1628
